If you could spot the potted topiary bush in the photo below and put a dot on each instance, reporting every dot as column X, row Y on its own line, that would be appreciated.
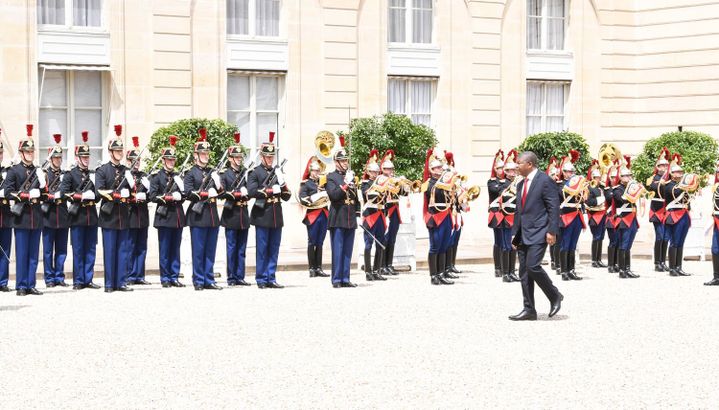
column 557, row 144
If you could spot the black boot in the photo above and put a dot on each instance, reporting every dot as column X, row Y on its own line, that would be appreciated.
column 678, row 263
column 621, row 260
column 571, row 259
column 594, row 254
column 715, row 265
column 663, row 255
column 446, row 271
column 453, row 261
column 318, row 263
column 388, row 260
column 556, row 257
column 506, row 277
column 497, row 262
column 311, row 260
column 658, row 257
column 437, row 279
column 378, row 264
column 442, row 268
column 564, row 264
column 368, row 265
column 513, row 265
column 672, row 261
column 616, row 259
column 554, row 263
column 611, row 260
column 600, row 264
column 628, row 263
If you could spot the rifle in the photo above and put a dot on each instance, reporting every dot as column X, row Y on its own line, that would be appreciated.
column 162, row 208
column 18, row 206
column 205, row 185
column 74, row 207
column 269, row 181
column 238, row 183
column 51, row 188
column 108, row 206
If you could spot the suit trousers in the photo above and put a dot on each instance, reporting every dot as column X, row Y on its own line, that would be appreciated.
column 531, row 272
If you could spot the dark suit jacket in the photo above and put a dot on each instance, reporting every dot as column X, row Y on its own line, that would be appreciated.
column 540, row 214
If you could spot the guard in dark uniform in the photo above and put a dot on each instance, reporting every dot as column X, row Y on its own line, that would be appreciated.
column 715, row 235
column 391, row 212
column 438, row 203
column 166, row 187
column 658, row 210
column 613, row 247
column 571, row 220
column 314, row 199
column 596, row 212
column 344, row 210
column 5, row 228
column 495, row 186
column 508, row 207
column 677, row 221
column 374, row 188
column 458, row 223
column 55, row 220
column 557, row 174
column 235, row 217
column 78, row 187
column 24, row 183
column 139, row 218
column 113, row 182
column 202, row 185
column 625, row 199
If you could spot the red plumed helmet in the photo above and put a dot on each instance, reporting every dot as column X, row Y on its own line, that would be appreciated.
column 678, row 158
column 426, row 174
column 574, row 155
column 118, row 130
column 628, row 161
column 58, row 138
column 272, row 136
column 237, row 138
column 136, row 141
column 173, row 140
column 342, row 140
column 449, row 156
column 203, row 134
column 29, row 128
column 85, row 136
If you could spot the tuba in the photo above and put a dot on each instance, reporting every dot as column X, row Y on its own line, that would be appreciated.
column 607, row 154
column 324, row 144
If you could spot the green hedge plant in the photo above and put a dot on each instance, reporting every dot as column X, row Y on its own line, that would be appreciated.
column 557, row 144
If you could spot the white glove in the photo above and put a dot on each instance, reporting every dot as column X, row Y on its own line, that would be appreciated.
column 141, row 196
column 34, row 193
column 600, row 200
column 41, row 177
column 2, row 193
column 88, row 196
column 319, row 195
column 92, row 177
column 243, row 191
column 57, row 195
column 280, row 177
column 179, row 182
column 276, row 189
column 349, row 177
column 124, row 193
column 4, row 174
column 145, row 182
column 211, row 193
column 216, row 177
column 129, row 178
column 176, row 196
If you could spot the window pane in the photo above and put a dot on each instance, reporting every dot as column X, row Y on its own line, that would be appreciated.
column 534, row 28
column 242, row 120
column 534, row 125
column 88, row 88
column 237, row 12
column 51, row 122
column 555, row 124
column 238, row 92
column 266, row 122
column 87, row 12
column 268, row 18
column 555, row 34
column 534, row 7
column 396, row 22
column 397, row 96
column 89, row 120
column 266, row 93
column 555, row 99
column 555, row 8
column 54, row 88
column 51, row 12
column 422, row 119
column 422, row 25
column 534, row 98
column 421, row 97
column 95, row 157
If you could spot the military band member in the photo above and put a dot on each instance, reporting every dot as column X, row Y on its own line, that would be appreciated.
column 610, row 184
column 626, row 219
column 313, row 197
column 495, row 186
column 266, row 183
column 391, row 212
column 344, row 211
column 596, row 212
column 23, row 183
column 5, row 228
column 677, row 221
column 55, row 220
column 374, row 189
column 438, row 203
column 78, row 187
column 555, row 173
column 715, row 235
column 139, row 218
column 113, row 181
column 508, row 206
column 235, row 217
column 202, row 186
column 571, row 220
column 458, row 223
column 658, row 210
column 166, row 187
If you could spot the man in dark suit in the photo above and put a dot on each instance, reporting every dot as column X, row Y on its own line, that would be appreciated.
column 535, row 226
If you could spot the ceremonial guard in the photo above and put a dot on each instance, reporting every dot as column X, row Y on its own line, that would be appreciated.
column 202, row 186
column 55, row 220
column 78, row 187
column 23, row 183
column 678, row 193
column 715, row 236
column 139, row 217
column 610, row 184
column 508, row 207
column 554, row 172
column 235, row 217
column 391, row 210
column 113, row 181
column 166, row 187
column 495, row 186
column 438, row 191
column 374, row 188
column 344, row 210
column 626, row 194
column 314, row 198
column 457, row 222
column 5, row 227
column 596, row 212
column 658, row 210
column 266, row 183
column 571, row 220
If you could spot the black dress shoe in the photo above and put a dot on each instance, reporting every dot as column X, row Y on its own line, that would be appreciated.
column 50, row 285
column 92, row 286
column 231, row 284
column 199, row 287
column 556, row 305
column 242, row 282
column 4, row 288
column 507, row 278
column 514, row 277
column 321, row 274
column 109, row 290
column 573, row 276
column 440, row 280
column 630, row 274
column 453, row 269
column 336, row 285
column 33, row 291
column 658, row 267
column 78, row 287
column 377, row 276
column 497, row 273
column 124, row 288
column 368, row 276
column 261, row 286
column 177, row 284
column 598, row 264
column 449, row 275
column 274, row 285
column 713, row 282
column 62, row 283
column 213, row 286
column 166, row 284
column 565, row 276
column 21, row 292
column 524, row 315
column 142, row 282
column 349, row 285
column 313, row 273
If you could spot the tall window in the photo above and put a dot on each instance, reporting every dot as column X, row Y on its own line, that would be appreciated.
column 546, row 106
column 253, row 17
column 546, row 21
column 82, row 13
column 413, row 98
column 410, row 21
column 253, row 104
column 71, row 102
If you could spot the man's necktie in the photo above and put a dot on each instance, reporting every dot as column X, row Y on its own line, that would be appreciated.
column 524, row 193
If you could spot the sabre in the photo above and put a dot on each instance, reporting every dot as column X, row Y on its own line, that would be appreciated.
column 373, row 237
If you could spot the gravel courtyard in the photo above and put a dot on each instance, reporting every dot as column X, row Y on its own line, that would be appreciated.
column 651, row 342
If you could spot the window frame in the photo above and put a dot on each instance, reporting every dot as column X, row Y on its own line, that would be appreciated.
column 543, row 111
column 409, row 25
column 408, row 111
column 69, row 17
column 252, row 23
column 543, row 27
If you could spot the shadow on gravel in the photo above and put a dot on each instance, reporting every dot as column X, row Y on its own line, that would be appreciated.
column 552, row 319
column 12, row 308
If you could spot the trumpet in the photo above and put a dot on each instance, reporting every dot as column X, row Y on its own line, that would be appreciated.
column 402, row 182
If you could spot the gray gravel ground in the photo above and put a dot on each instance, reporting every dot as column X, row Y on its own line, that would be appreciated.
column 651, row 342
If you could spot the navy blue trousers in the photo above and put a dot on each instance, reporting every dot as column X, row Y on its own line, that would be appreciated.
column 505, row 239
column 236, row 242
column 54, row 253
column 6, row 244
column 677, row 232
column 392, row 228
column 204, row 247
column 612, row 234
column 342, row 244
column 27, row 250
column 115, row 256
column 317, row 232
column 170, row 240
column 378, row 231
column 440, row 236
column 268, row 249
column 715, row 241
column 660, row 232
column 625, row 237
column 570, row 235
column 457, row 233
column 598, row 230
column 84, row 247
column 138, row 254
